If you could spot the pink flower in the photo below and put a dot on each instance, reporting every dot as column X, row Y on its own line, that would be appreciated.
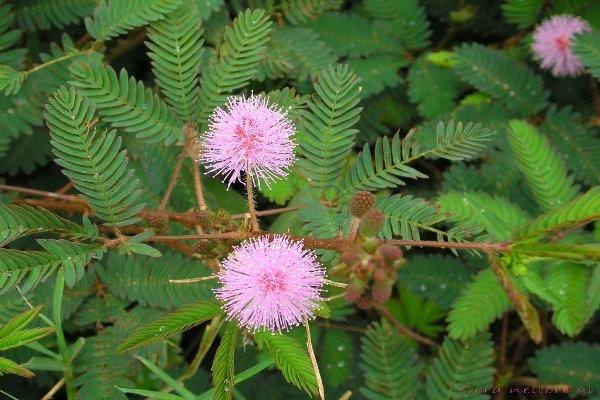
column 270, row 283
column 248, row 135
column 552, row 44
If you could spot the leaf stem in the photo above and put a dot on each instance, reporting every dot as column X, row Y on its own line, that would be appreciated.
column 402, row 329
column 313, row 360
column 173, row 181
column 63, row 347
column 251, row 206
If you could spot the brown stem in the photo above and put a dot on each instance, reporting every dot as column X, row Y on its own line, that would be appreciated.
column 124, row 45
column 42, row 193
column 402, row 329
column 273, row 211
column 65, row 189
column 198, row 186
column 173, row 181
column 251, row 209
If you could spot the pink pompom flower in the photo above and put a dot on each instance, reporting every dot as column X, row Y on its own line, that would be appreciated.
column 552, row 44
column 248, row 135
column 271, row 283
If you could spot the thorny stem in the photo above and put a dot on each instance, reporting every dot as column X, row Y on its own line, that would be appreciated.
column 41, row 193
column 313, row 360
column 251, row 209
column 65, row 189
column 402, row 329
column 173, row 181
column 190, row 146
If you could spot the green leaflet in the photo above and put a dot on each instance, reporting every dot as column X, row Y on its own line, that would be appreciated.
column 29, row 268
column 409, row 17
column 243, row 48
column 291, row 358
column 567, row 131
column 522, row 13
column 12, row 58
column 575, row 364
column 582, row 209
column 17, row 221
column 390, row 364
column 35, row 15
column 126, row 103
column 435, row 277
column 461, row 366
column 586, row 46
column 116, row 17
column 176, row 52
column 544, row 169
column 499, row 217
column 133, row 278
column 454, row 141
column 494, row 73
column 171, row 324
column 93, row 160
column 480, row 303
column 223, row 365
column 328, row 136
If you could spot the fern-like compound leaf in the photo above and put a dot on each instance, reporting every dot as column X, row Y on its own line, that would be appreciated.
column 568, row 284
column 567, row 131
column 125, row 103
column 171, row 324
column 35, row 15
column 115, row 17
column 410, row 19
column 493, row 72
column 300, row 11
column 296, row 52
column 9, row 57
column 132, row 278
column 390, row 364
column 17, row 221
column 29, row 268
column 435, row 277
column 522, row 13
column 243, row 49
column 223, row 365
column 587, row 48
column 291, row 358
column 544, row 169
column 328, row 134
column 385, row 169
column 433, row 88
column 499, row 217
column 176, row 52
column 583, row 209
column 480, row 303
column 461, row 366
column 575, row 364
column 406, row 215
column 93, row 160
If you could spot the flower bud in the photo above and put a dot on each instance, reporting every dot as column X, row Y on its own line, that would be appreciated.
column 390, row 253
column 360, row 203
column 371, row 223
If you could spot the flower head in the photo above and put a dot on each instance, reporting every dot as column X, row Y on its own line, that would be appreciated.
column 552, row 44
column 270, row 283
column 248, row 135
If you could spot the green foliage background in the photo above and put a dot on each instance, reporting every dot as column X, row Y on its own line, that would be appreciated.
column 436, row 107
